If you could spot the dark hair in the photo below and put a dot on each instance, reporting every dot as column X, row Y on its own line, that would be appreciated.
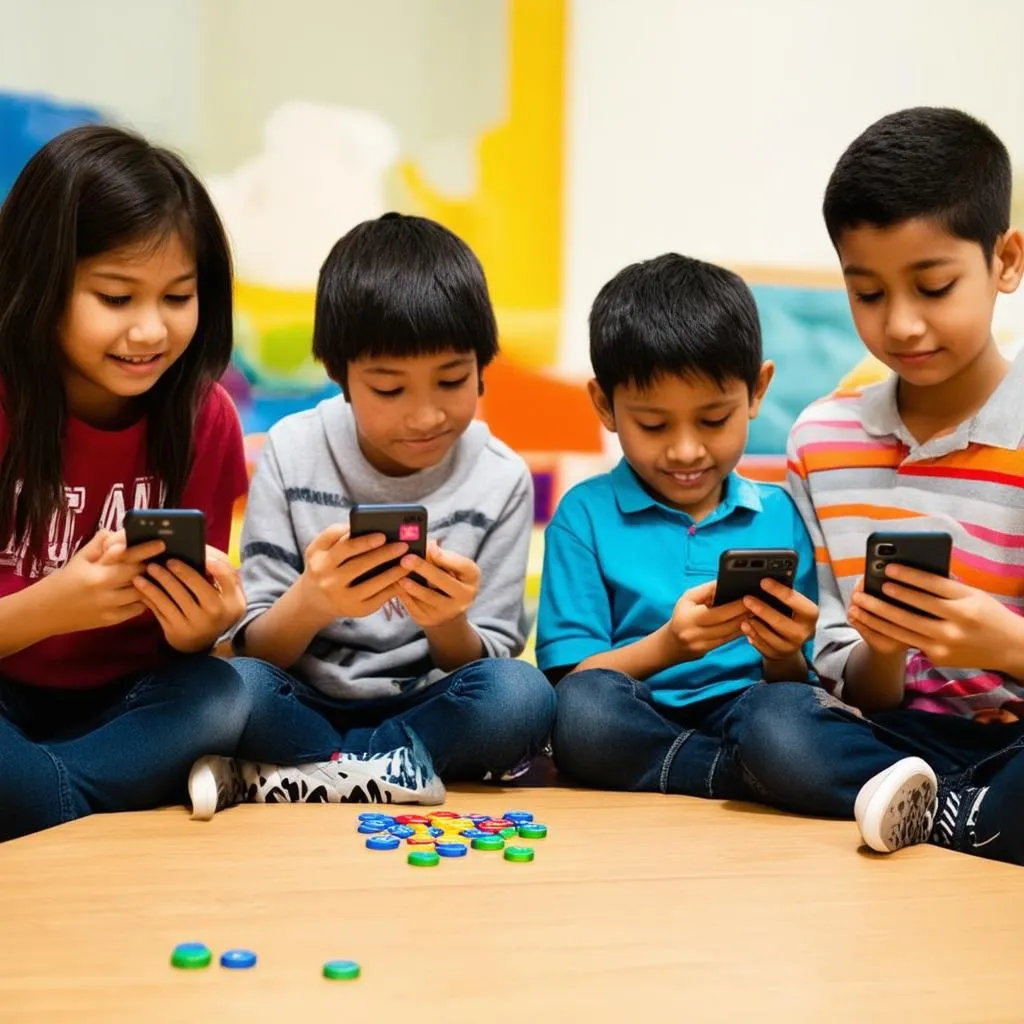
column 92, row 190
column 931, row 162
column 674, row 315
column 401, row 286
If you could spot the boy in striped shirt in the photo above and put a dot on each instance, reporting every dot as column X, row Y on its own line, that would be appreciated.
column 929, row 745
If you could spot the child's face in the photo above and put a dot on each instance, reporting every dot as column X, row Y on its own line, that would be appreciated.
column 922, row 300
column 131, row 314
column 410, row 411
column 683, row 436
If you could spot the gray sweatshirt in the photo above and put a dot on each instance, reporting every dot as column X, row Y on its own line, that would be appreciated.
column 479, row 500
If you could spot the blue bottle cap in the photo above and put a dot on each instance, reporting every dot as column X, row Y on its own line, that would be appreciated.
column 519, row 816
column 473, row 833
column 402, row 831
column 376, row 816
column 238, row 959
column 383, row 842
column 435, row 831
column 368, row 828
column 451, row 849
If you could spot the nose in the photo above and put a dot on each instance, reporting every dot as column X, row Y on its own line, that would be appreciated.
column 149, row 328
column 426, row 419
column 686, row 449
column 903, row 322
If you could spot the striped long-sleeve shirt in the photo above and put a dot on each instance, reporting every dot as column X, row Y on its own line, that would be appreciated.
column 855, row 468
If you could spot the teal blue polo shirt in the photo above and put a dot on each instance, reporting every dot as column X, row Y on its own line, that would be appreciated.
column 616, row 561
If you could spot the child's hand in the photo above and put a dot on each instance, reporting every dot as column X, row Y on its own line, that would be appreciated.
column 334, row 560
column 862, row 621
column 971, row 629
column 776, row 636
column 95, row 588
column 456, row 580
column 697, row 627
column 193, row 611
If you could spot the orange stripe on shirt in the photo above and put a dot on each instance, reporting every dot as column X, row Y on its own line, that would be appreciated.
column 866, row 512
column 875, row 458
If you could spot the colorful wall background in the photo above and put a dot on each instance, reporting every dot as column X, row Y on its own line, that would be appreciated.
column 561, row 139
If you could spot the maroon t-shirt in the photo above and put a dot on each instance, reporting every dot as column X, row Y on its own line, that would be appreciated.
column 105, row 475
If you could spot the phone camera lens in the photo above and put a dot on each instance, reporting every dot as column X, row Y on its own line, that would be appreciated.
column 739, row 563
column 885, row 550
column 777, row 563
column 878, row 566
column 757, row 563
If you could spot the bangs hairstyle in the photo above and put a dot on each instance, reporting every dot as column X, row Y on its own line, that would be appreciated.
column 674, row 315
column 397, row 287
column 925, row 162
column 93, row 190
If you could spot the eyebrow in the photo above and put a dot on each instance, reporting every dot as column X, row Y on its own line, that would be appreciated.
column 390, row 371
column 719, row 403
column 114, row 275
column 852, row 270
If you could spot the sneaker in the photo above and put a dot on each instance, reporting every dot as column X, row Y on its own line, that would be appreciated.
column 896, row 807
column 956, row 819
column 213, row 784
column 402, row 776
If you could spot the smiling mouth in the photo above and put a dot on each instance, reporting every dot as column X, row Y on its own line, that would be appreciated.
column 136, row 360
column 914, row 357
column 689, row 477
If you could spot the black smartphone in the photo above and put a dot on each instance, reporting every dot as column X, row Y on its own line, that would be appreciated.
column 405, row 523
column 927, row 551
column 740, row 571
column 183, row 531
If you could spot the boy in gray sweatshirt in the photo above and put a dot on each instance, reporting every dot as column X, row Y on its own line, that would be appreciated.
column 373, row 691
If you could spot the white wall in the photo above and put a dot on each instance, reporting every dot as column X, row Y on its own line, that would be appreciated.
column 710, row 128
column 135, row 58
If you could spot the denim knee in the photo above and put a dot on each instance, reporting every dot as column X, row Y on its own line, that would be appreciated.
column 223, row 704
column 588, row 719
column 511, row 701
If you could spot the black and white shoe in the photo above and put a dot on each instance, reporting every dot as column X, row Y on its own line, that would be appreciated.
column 896, row 807
column 213, row 784
column 402, row 776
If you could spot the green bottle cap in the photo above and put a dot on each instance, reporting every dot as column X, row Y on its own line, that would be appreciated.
column 488, row 843
column 191, row 956
column 423, row 858
column 519, row 854
column 341, row 970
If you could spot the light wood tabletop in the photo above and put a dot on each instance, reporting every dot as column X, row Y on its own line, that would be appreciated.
column 636, row 907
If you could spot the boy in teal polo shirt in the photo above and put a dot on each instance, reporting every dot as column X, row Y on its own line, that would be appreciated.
column 651, row 675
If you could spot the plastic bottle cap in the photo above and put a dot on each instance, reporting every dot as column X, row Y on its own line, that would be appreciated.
column 519, row 854
column 423, row 858
column 190, row 956
column 341, row 970
column 238, row 959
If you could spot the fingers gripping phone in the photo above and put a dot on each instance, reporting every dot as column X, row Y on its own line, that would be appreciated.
column 740, row 571
column 927, row 551
column 183, row 531
column 398, row 523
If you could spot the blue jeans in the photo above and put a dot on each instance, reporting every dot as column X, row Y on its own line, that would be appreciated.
column 804, row 751
column 789, row 745
column 610, row 734
column 485, row 717
column 123, row 747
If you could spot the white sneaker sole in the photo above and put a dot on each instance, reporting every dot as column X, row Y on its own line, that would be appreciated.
column 202, row 790
column 901, row 810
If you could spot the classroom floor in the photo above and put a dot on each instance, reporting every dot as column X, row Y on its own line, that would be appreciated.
column 636, row 907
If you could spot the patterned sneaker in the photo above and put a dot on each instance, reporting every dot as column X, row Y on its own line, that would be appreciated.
column 402, row 776
column 213, row 784
column 956, row 819
column 896, row 807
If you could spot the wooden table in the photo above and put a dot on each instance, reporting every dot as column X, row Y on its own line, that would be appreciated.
column 637, row 908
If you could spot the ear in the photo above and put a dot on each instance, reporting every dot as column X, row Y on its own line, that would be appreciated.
column 480, row 385
column 1008, row 261
column 602, row 406
column 764, row 378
